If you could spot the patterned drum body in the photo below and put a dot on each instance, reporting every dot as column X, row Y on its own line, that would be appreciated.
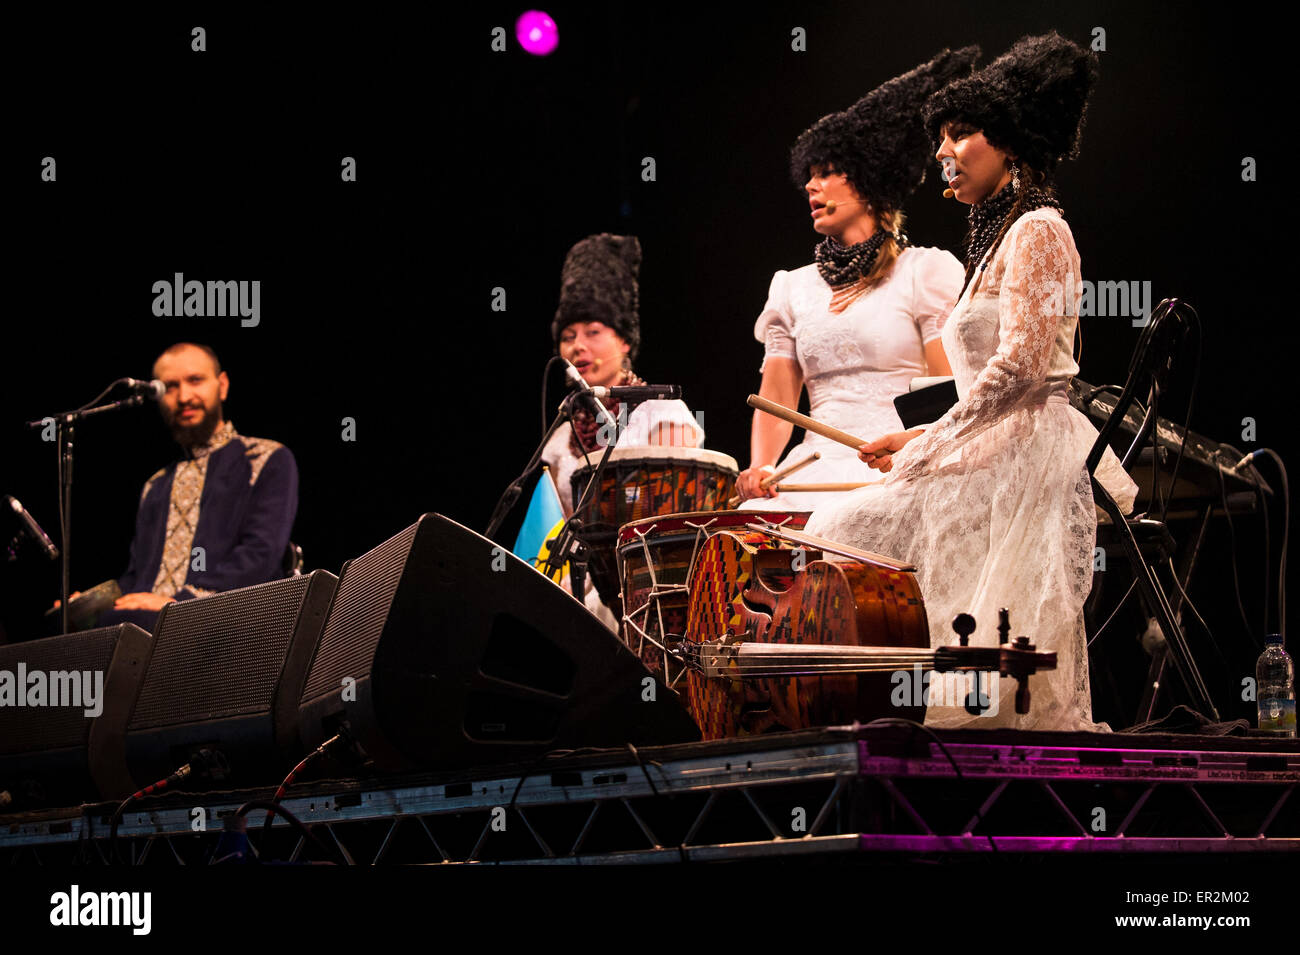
column 735, row 578
column 655, row 557
column 640, row 483
column 645, row 482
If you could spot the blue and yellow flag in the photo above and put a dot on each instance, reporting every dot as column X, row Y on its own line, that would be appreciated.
column 542, row 520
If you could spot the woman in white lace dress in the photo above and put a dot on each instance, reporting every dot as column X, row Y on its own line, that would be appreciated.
column 864, row 319
column 993, row 502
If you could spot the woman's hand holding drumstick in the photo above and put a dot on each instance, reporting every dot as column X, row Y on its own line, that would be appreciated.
column 775, row 476
column 877, row 454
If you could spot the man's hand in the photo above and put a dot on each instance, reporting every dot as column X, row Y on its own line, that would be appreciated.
column 72, row 596
column 748, row 480
column 879, row 454
column 142, row 601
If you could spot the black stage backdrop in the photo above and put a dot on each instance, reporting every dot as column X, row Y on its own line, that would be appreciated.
column 476, row 170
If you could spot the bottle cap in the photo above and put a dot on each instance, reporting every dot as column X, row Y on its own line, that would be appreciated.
column 1273, row 638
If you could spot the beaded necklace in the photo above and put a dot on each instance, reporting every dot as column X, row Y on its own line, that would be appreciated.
column 842, row 264
column 987, row 218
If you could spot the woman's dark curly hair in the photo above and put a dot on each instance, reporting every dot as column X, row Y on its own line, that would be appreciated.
column 880, row 142
column 1030, row 102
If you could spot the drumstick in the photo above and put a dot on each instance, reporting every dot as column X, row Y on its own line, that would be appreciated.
column 777, row 475
column 844, row 486
column 803, row 421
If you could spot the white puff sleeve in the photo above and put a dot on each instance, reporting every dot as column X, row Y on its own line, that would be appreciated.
column 775, row 324
column 936, row 284
column 662, row 423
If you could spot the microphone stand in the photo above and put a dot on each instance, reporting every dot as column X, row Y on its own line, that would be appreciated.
column 568, row 544
column 566, row 547
column 66, row 422
column 516, row 488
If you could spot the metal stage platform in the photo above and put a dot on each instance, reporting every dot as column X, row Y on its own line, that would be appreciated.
column 850, row 793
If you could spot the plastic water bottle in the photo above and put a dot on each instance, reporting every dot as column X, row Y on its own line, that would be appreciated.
column 1275, row 689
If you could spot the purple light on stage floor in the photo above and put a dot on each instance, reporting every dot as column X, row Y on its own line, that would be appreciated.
column 537, row 33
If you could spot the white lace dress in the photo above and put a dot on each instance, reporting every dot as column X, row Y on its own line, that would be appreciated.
column 993, row 503
column 855, row 362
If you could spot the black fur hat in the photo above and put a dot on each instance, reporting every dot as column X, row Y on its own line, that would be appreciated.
column 1030, row 101
column 880, row 142
column 598, row 284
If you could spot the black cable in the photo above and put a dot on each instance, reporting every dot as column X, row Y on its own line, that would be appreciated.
column 1156, row 492
column 681, row 843
column 1122, row 600
column 1232, row 538
column 1286, row 536
column 546, row 380
column 293, row 821
column 1268, row 550
column 1187, row 601
column 111, row 386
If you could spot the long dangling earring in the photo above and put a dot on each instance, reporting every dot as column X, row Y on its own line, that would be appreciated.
column 1015, row 177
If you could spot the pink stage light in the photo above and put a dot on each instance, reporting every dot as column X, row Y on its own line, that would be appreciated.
column 537, row 33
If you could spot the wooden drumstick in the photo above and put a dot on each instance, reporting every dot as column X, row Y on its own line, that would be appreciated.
column 777, row 475
column 803, row 421
column 843, row 486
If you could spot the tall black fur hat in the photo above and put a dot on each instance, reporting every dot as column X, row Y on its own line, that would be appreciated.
column 880, row 142
column 1030, row 101
column 599, row 284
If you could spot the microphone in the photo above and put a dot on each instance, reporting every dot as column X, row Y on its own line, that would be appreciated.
column 33, row 529
column 576, row 379
column 150, row 389
column 832, row 205
column 639, row 392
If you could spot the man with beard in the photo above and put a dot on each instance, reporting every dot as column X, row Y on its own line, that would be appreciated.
column 217, row 518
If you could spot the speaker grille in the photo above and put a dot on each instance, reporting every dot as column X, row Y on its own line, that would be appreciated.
column 25, row 729
column 357, row 618
column 220, row 656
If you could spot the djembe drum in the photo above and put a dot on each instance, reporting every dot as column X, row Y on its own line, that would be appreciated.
column 655, row 557
column 643, row 482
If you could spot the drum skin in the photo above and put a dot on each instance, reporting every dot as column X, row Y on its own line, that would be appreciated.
column 639, row 483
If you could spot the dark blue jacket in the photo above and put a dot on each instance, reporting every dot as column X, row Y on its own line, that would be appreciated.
column 246, row 513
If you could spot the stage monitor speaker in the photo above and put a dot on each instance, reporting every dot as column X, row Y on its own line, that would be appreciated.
column 443, row 650
column 64, row 703
column 225, row 674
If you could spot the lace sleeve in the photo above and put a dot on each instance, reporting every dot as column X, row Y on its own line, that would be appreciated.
column 1030, row 303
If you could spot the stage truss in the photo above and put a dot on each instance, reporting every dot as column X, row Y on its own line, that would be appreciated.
column 855, row 794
